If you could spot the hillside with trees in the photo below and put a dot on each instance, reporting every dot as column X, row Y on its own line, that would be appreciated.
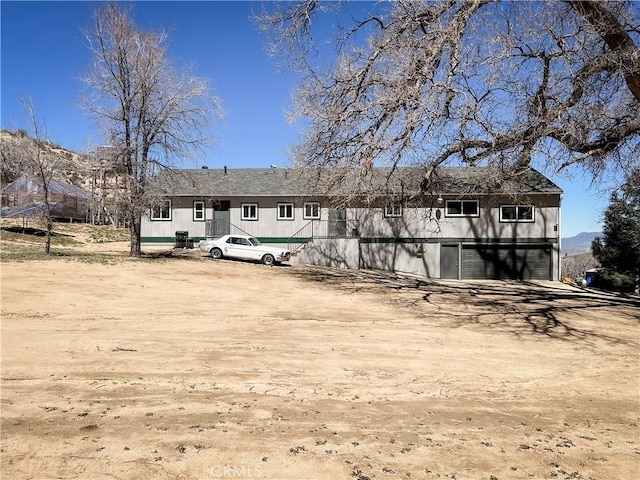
column 98, row 172
column 73, row 167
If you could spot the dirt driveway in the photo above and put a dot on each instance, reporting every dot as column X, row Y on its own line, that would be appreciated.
column 190, row 368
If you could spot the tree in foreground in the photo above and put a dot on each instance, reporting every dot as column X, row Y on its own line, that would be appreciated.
column 151, row 112
column 33, row 155
column 455, row 82
column 618, row 251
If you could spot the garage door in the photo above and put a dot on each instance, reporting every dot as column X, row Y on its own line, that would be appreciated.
column 515, row 262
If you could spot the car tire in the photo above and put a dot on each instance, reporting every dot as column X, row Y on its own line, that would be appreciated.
column 216, row 253
column 268, row 259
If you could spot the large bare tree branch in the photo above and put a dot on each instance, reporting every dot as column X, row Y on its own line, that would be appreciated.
column 616, row 38
column 427, row 83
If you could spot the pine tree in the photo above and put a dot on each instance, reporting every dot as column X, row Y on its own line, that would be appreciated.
column 618, row 250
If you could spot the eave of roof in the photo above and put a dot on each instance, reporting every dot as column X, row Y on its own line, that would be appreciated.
column 277, row 182
column 243, row 182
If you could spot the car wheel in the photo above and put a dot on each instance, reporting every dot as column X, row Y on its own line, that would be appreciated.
column 268, row 259
column 216, row 253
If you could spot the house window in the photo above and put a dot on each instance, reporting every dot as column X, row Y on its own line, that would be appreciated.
column 462, row 208
column 311, row 211
column 285, row 211
column 393, row 210
column 198, row 211
column 249, row 211
column 162, row 211
column 516, row 213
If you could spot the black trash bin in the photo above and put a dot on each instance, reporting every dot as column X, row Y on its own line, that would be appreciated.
column 181, row 239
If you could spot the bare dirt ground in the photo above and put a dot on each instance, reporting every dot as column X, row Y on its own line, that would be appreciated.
column 190, row 368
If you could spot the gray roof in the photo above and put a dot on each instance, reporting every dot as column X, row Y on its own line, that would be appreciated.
column 27, row 183
column 490, row 180
column 282, row 182
column 241, row 182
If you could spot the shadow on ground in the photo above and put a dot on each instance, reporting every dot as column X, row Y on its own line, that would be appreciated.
column 548, row 310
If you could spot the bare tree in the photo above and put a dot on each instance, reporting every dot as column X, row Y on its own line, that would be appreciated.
column 33, row 155
column 151, row 112
column 465, row 82
column 575, row 266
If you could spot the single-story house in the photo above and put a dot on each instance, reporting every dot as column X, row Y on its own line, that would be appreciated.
column 23, row 198
column 470, row 223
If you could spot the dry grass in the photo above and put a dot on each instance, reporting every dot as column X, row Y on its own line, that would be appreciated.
column 70, row 240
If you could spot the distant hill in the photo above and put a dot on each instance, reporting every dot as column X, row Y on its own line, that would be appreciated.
column 97, row 172
column 72, row 167
column 580, row 243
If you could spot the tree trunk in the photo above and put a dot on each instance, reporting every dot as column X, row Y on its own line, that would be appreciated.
column 47, row 243
column 616, row 38
column 135, row 228
column 48, row 218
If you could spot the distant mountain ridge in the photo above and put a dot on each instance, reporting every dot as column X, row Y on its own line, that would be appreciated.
column 580, row 243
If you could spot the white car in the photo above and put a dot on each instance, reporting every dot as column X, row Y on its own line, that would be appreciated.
column 244, row 247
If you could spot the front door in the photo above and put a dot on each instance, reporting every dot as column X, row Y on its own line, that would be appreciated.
column 221, row 218
column 449, row 261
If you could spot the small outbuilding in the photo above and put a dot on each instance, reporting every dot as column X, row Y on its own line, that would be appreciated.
column 23, row 197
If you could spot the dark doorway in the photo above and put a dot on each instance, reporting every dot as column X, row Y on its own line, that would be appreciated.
column 220, row 224
column 449, row 261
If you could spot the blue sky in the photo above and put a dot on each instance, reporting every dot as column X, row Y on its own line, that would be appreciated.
column 43, row 54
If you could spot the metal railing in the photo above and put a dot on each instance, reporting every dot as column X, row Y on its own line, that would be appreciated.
column 323, row 229
column 235, row 230
column 300, row 238
column 337, row 228
column 218, row 228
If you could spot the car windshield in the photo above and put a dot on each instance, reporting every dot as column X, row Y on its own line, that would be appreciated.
column 254, row 242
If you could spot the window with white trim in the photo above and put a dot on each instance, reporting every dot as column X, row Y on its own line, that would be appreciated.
column 162, row 211
column 516, row 213
column 311, row 211
column 462, row 208
column 393, row 210
column 285, row 211
column 198, row 211
column 249, row 211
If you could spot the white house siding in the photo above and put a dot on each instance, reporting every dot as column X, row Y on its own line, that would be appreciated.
column 415, row 222
column 416, row 258
column 162, row 232
column 268, row 225
column 422, row 222
column 154, row 230
column 336, row 253
column 410, row 243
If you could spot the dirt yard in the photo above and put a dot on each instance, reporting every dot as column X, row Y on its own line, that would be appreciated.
column 190, row 368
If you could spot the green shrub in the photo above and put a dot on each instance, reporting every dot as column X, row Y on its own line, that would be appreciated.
column 614, row 281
